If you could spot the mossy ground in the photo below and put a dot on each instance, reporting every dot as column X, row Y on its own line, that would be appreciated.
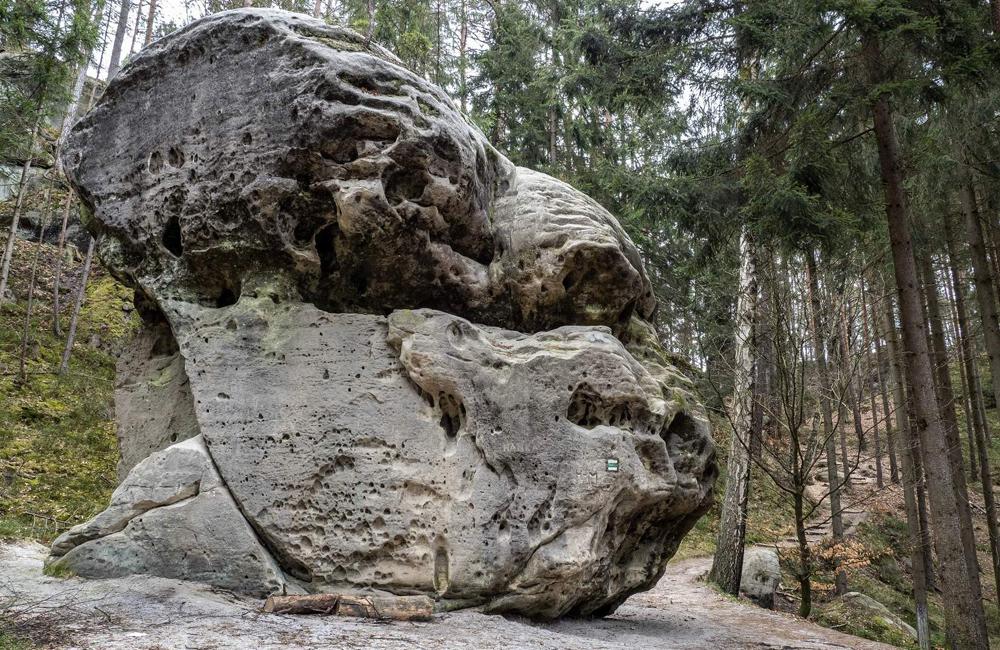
column 57, row 434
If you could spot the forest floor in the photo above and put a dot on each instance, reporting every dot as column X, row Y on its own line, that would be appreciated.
column 143, row 613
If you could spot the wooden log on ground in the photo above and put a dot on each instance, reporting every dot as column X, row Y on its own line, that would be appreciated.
column 395, row 608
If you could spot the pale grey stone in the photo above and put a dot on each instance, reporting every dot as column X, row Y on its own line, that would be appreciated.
column 871, row 607
column 352, row 172
column 325, row 253
column 428, row 454
column 761, row 575
column 171, row 517
column 153, row 404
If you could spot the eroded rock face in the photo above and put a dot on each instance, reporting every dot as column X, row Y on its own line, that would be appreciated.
column 407, row 365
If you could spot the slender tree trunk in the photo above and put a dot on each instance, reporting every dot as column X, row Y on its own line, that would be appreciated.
column 949, row 419
column 819, row 345
column 727, row 565
column 965, row 622
column 984, row 284
column 135, row 29
column 150, row 18
column 317, row 8
column 463, row 42
column 22, row 370
column 57, row 281
column 116, row 48
column 976, row 412
column 80, row 297
column 22, row 189
column 867, row 334
column 370, row 29
column 962, row 343
column 904, row 417
column 915, row 522
column 884, row 365
column 853, row 395
column 805, row 561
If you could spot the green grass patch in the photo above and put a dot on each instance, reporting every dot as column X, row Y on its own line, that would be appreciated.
column 58, row 449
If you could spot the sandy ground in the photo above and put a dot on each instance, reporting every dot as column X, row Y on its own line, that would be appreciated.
column 143, row 613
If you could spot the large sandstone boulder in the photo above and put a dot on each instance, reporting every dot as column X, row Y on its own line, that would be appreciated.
column 397, row 362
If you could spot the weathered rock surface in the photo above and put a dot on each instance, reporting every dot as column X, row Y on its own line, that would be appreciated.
column 153, row 401
column 172, row 517
column 761, row 575
column 416, row 368
column 350, row 170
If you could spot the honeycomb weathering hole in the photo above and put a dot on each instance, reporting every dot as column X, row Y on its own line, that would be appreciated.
column 172, row 237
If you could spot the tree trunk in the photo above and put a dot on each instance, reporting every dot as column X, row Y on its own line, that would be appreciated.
column 819, row 345
column 317, row 8
column 963, row 346
column 727, row 564
column 80, row 297
column 976, row 412
column 116, row 48
column 867, row 334
column 919, row 546
column 965, row 622
column 135, row 29
column 396, row 608
column 22, row 187
column 805, row 561
column 149, row 23
column 57, row 275
column 463, row 43
column 949, row 419
column 22, row 369
column 853, row 395
column 884, row 365
column 984, row 284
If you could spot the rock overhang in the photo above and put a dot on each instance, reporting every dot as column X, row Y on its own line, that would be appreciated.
column 416, row 367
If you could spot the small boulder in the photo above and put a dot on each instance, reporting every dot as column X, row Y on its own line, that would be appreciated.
column 878, row 612
column 761, row 575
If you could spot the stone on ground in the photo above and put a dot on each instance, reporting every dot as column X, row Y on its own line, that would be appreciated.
column 407, row 365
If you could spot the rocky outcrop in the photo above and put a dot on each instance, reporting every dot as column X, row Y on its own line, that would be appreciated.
column 153, row 401
column 172, row 517
column 415, row 367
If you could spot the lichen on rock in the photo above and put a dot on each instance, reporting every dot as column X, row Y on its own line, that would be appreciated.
column 409, row 366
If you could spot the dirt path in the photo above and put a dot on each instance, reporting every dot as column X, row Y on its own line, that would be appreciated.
column 142, row 613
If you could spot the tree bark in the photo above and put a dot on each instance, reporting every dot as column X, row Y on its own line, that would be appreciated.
column 867, row 334
column 965, row 622
column 116, row 48
column 884, row 365
column 396, row 608
column 80, row 297
column 976, row 412
column 949, row 418
column 727, row 564
column 915, row 522
column 853, row 395
column 22, row 369
column 57, row 275
column 984, row 284
column 22, row 186
column 150, row 18
column 822, row 369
